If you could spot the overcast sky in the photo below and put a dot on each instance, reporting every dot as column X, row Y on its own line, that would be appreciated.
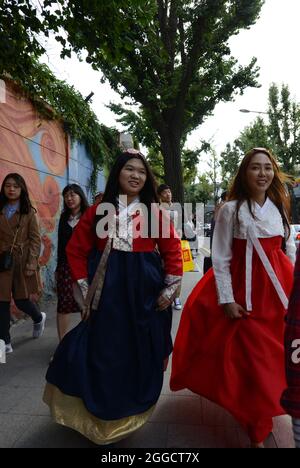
column 274, row 40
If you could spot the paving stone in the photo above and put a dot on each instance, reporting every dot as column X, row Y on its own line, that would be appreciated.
column 178, row 410
column 151, row 435
column 12, row 427
column 214, row 415
column 30, row 403
column 44, row 433
column 10, row 396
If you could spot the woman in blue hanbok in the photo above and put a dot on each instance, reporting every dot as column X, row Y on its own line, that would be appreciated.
column 107, row 373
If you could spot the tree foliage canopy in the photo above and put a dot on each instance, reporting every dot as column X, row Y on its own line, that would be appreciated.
column 201, row 192
column 53, row 98
column 169, row 56
column 19, row 29
column 283, row 127
column 280, row 133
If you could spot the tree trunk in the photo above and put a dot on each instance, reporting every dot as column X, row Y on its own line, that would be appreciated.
column 170, row 148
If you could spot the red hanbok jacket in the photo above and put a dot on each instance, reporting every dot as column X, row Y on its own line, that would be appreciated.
column 84, row 239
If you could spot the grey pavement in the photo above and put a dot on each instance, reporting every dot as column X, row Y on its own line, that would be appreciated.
column 180, row 420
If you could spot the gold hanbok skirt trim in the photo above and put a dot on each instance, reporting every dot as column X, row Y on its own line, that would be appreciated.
column 71, row 412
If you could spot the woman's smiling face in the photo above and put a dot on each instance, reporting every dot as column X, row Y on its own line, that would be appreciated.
column 132, row 177
column 260, row 174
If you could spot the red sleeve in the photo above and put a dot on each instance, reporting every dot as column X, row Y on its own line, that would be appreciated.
column 170, row 249
column 81, row 243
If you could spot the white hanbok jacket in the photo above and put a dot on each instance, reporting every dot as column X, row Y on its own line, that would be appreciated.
column 267, row 223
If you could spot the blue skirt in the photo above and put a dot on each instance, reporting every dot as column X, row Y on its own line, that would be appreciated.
column 114, row 361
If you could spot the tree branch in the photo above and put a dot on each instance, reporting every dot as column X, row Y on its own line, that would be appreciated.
column 191, row 65
column 162, row 19
column 168, row 29
column 172, row 30
column 182, row 41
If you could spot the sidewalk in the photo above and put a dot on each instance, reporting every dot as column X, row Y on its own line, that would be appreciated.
column 180, row 420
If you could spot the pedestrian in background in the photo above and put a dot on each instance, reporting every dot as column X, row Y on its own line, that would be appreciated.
column 190, row 234
column 207, row 263
column 20, row 245
column 229, row 345
column 75, row 204
column 98, row 197
column 165, row 197
column 107, row 373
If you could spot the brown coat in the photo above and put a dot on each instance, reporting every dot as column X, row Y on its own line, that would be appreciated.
column 26, row 254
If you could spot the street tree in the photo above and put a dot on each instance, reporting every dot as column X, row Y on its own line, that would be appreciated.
column 19, row 29
column 171, row 57
column 280, row 132
column 200, row 192
column 213, row 172
column 21, row 45
column 137, row 125
column 156, row 161
column 284, row 128
column 254, row 136
column 229, row 163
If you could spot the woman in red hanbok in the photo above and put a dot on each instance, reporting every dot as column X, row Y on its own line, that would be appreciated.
column 229, row 346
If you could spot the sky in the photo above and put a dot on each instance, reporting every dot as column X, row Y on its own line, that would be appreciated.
column 273, row 40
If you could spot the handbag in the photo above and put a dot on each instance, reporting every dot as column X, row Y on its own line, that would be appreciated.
column 6, row 261
column 6, row 258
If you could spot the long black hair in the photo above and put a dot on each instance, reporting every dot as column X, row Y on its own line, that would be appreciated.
column 25, row 203
column 147, row 195
column 83, row 200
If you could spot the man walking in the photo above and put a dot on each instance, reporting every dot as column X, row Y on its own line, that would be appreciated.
column 165, row 196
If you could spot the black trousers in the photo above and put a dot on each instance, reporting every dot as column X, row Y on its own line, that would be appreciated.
column 207, row 264
column 25, row 305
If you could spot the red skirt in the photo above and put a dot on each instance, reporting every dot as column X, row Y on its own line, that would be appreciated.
column 238, row 364
column 66, row 303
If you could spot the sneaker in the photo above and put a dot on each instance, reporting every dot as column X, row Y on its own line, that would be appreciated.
column 177, row 304
column 8, row 348
column 38, row 328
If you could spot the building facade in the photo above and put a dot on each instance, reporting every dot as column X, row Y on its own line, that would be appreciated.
column 43, row 153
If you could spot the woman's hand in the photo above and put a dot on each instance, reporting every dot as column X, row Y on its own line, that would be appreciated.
column 80, row 290
column 163, row 302
column 29, row 272
column 85, row 309
column 166, row 361
column 235, row 311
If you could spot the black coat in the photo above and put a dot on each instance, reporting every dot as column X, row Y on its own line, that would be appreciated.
column 65, row 232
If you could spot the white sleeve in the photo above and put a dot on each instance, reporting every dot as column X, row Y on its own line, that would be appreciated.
column 222, row 253
column 291, row 247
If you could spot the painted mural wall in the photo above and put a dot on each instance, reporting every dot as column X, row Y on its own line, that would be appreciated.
column 43, row 154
